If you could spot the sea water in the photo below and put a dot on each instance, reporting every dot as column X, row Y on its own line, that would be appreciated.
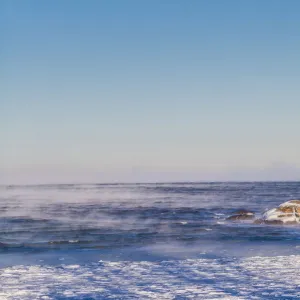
column 146, row 241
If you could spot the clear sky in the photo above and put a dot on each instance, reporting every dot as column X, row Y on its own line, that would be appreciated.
column 160, row 90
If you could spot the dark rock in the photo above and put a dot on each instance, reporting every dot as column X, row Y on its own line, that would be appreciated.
column 259, row 221
column 240, row 217
column 243, row 212
column 273, row 222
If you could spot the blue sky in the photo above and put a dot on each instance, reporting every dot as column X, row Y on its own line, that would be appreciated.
column 149, row 90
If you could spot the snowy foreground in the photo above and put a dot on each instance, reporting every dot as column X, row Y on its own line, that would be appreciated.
column 247, row 278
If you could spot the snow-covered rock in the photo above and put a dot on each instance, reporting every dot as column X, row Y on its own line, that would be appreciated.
column 287, row 213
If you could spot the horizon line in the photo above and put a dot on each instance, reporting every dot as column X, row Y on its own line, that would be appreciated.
column 151, row 182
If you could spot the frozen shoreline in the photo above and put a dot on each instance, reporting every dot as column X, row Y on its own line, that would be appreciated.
column 248, row 278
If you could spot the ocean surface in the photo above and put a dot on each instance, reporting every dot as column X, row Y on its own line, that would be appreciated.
column 146, row 241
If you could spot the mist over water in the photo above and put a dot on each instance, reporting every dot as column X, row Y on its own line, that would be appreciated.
column 89, row 234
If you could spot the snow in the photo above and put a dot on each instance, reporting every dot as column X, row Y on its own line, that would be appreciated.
column 247, row 278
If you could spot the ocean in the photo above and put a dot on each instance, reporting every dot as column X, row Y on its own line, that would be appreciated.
column 146, row 241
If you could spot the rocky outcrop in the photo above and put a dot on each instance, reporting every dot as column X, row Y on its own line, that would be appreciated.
column 241, row 214
column 286, row 213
